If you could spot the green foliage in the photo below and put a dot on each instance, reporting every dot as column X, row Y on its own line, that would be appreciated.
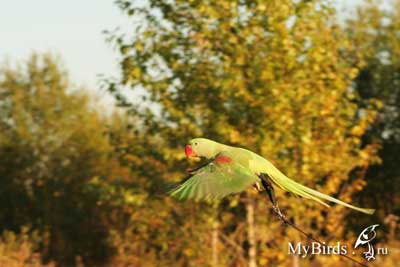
column 270, row 76
column 375, row 32
column 20, row 250
column 52, row 144
column 278, row 77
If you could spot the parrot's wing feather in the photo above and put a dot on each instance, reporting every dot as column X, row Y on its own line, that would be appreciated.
column 221, row 177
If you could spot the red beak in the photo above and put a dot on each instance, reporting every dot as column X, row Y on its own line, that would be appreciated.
column 189, row 151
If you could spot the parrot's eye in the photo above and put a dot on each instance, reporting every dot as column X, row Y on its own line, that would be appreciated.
column 195, row 144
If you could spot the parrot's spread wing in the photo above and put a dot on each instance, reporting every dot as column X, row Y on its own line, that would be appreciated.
column 221, row 177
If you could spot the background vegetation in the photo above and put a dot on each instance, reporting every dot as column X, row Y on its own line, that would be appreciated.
column 317, row 95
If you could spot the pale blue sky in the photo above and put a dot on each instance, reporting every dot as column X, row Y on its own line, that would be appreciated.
column 72, row 29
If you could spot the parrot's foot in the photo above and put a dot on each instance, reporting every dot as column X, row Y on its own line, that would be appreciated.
column 279, row 213
column 268, row 188
column 286, row 221
column 271, row 194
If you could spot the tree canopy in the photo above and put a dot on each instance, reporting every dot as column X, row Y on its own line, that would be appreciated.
column 273, row 77
column 291, row 80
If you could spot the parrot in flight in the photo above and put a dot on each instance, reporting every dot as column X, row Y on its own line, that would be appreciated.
column 233, row 169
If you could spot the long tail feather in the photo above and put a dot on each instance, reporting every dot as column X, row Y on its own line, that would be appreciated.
column 291, row 186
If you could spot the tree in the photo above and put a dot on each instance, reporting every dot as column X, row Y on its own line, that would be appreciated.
column 374, row 31
column 51, row 145
column 18, row 250
column 270, row 76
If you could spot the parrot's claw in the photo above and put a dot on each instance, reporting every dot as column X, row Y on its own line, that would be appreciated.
column 271, row 194
column 279, row 214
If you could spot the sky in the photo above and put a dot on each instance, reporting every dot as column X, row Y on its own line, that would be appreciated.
column 71, row 29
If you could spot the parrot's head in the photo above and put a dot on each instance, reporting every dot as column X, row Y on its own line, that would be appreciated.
column 201, row 147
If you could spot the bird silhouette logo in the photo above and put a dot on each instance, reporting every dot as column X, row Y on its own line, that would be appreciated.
column 366, row 236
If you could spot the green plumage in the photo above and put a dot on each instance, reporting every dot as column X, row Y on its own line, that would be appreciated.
column 216, row 180
column 289, row 185
column 234, row 169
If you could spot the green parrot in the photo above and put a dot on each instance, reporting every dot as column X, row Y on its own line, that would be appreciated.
column 233, row 169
